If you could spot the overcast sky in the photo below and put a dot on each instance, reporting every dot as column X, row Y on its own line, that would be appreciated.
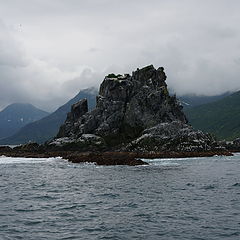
column 50, row 49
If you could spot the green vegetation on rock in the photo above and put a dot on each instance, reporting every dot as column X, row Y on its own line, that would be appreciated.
column 112, row 75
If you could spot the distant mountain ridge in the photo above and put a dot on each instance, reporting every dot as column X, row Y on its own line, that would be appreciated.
column 221, row 118
column 47, row 127
column 197, row 113
column 16, row 116
column 191, row 100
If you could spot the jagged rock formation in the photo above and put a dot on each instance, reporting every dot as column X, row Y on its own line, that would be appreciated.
column 133, row 113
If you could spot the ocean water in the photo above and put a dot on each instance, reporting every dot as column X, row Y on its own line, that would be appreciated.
column 196, row 198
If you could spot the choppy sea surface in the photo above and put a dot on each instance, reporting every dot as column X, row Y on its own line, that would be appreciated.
column 195, row 198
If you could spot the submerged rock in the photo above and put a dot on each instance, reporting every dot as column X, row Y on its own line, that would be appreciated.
column 133, row 113
column 107, row 158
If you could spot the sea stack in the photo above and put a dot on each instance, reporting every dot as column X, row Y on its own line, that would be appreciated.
column 133, row 113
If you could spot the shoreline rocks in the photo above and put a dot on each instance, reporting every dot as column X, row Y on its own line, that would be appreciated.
column 102, row 158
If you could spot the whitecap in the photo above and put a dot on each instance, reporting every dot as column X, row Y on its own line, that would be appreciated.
column 19, row 160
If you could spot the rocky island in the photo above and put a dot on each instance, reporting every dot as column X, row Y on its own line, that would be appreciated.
column 135, row 117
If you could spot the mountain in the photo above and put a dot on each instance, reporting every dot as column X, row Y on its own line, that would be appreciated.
column 221, row 118
column 191, row 100
column 16, row 116
column 47, row 127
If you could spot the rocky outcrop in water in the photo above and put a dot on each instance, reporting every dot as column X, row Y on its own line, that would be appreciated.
column 133, row 113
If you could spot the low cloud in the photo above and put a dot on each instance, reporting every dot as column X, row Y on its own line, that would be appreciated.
column 27, row 79
column 49, row 50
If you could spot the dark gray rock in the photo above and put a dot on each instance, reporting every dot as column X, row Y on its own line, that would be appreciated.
column 173, row 136
column 237, row 142
column 232, row 145
column 77, row 111
column 85, row 142
column 132, row 111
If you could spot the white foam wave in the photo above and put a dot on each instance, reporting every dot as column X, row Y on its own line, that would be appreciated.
column 16, row 160
column 170, row 161
column 165, row 164
column 162, row 162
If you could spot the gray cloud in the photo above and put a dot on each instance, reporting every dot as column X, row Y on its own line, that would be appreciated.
column 51, row 49
column 11, row 53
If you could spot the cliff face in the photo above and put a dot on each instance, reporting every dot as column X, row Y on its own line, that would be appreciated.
column 130, row 109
